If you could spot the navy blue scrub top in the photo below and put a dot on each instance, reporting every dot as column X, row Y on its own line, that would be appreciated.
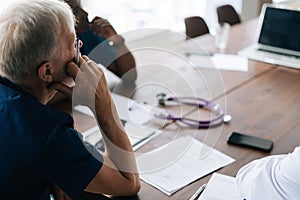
column 38, row 147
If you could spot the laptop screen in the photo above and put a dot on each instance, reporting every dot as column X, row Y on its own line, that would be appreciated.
column 281, row 28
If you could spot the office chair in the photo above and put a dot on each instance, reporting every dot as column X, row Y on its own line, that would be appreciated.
column 195, row 26
column 227, row 14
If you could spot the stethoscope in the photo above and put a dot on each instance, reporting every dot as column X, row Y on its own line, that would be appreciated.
column 192, row 101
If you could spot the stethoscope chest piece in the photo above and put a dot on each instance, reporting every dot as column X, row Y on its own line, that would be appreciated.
column 227, row 118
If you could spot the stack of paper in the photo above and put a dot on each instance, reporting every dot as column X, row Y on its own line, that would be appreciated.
column 133, row 116
column 221, row 187
column 220, row 61
column 138, row 135
column 178, row 163
column 128, row 110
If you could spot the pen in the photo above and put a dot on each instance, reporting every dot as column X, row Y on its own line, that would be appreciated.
column 142, row 140
column 198, row 192
column 189, row 53
column 52, row 197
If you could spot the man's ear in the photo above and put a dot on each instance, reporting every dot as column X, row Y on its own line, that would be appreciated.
column 45, row 72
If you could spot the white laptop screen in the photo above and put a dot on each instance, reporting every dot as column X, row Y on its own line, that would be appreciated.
column 281, row 28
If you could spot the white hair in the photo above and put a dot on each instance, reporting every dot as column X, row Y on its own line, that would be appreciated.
column 30, row 32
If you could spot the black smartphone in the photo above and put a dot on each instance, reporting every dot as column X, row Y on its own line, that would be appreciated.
column 250, row 141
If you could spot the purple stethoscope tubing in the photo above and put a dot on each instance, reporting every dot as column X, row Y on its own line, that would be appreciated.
column 197, row 102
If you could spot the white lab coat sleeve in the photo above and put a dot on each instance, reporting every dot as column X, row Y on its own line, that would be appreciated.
column 272, row 177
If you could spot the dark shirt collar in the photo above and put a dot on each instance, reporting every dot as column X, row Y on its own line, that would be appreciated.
column 10, row 84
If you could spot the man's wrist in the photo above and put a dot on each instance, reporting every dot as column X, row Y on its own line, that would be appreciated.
column 116, row 40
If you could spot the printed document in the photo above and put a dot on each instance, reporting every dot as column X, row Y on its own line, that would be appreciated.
column 178, row 163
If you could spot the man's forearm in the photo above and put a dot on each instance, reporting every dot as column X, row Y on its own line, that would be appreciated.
column 117, row 145
column 125, row 66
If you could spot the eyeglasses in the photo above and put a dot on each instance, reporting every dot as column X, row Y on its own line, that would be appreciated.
column 77, row 50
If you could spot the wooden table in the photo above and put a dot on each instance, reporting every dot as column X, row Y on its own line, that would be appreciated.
column 264, row 102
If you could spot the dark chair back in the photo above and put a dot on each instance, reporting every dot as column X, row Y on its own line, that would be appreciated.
column 227, row 14
column 195, row 26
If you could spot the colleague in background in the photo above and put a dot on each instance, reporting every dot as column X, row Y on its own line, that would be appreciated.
column 39, row 146
column 103, row 45
column 272, row 177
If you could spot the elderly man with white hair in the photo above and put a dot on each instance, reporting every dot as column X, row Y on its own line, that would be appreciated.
column 39, row 146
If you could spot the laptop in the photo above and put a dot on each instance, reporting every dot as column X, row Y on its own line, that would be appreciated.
column 277, row 37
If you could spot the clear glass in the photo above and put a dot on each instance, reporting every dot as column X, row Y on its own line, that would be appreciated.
column 222, row 35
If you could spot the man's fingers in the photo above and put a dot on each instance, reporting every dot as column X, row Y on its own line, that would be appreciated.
column 97, row 18
column 85, row 58
column 99, row 21
column 98, row 24
column 62, row 89
column 72, row 69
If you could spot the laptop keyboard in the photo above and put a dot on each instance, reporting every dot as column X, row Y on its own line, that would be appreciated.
column 279, row 53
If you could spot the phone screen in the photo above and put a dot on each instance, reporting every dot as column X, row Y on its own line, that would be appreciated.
column 250, row 141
